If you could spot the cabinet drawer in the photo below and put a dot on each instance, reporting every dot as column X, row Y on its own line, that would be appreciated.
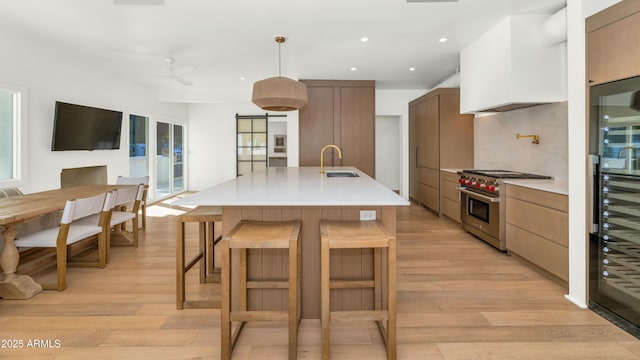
column 450, row 191
column 546, row 254
column 544, row 198
column 429, row 197
column 548, row 223
column 430, row 177
column 449, row 176
column 450, row 209
column 277, row 162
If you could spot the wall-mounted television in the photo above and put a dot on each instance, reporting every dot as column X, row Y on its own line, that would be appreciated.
column 78, row 127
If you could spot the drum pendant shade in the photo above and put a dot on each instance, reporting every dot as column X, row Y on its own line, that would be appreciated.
column 279, row 93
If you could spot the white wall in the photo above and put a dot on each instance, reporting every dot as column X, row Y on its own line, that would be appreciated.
column 396, row 103
column 51, row 74
column 577, row 11
column 212, row 141
column 590, row 7
column 389, row 151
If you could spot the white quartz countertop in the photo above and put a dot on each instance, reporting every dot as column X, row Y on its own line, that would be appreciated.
column 296, row 186
column 455, row 171
column 558, row 187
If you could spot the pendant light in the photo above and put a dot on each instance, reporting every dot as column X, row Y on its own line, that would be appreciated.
column 279, row 93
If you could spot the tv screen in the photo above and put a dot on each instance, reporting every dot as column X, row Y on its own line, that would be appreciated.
column 78, row 127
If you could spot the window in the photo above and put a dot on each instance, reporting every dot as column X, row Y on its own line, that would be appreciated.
column 12, row 121
column 138, row 144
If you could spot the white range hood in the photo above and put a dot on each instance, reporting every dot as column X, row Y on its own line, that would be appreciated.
column 517, row 63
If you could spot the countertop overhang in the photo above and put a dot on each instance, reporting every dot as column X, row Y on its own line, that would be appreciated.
column 296, row 186
column 554, row 186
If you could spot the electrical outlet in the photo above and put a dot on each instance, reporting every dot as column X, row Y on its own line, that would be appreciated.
column 367, row 215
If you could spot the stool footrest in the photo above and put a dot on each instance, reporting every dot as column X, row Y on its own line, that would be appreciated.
column 201, row 304
column 193, row 261
column 214, row 278
column 359, row 315
column 278, row 284
column 258, row 316
column 351, row 284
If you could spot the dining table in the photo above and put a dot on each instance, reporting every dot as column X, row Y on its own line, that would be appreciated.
column 20, row 209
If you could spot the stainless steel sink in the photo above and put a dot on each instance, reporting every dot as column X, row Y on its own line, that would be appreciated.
column 348, row 174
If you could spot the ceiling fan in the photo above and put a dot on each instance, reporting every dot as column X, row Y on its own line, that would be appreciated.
column 171, row 71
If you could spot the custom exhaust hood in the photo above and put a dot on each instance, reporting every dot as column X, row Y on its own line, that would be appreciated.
column 520, row 62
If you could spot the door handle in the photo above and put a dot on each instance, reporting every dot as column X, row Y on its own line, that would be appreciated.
column 593, row 198
column 478, row 196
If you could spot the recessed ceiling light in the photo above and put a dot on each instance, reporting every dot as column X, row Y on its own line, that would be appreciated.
column 242, row 78
column 412, row 69
column 443, row 39
column 353, row 69
column 364, row 39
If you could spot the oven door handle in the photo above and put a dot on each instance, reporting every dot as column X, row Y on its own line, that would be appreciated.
column 484, row 197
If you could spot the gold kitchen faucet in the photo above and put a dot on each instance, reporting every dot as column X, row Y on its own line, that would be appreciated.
column 322, row 155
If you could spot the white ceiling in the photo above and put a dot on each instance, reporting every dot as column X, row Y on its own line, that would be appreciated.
column 216, row 42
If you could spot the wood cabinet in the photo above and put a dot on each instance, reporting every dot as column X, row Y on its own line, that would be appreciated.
column 538, row 228
column 449, row 195
column 429, row 194
column 414, row 184
column 613, row 36
column 340, row 113
column 444, row 139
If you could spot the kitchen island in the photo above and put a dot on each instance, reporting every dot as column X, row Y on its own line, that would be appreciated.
column 303, row 194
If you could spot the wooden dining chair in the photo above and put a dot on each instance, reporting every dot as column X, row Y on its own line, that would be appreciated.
column 135, row 180
column 72, row 231
column 123, row 207
column 8, row 192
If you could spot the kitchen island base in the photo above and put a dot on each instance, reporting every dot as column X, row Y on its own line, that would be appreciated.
column 347, row 264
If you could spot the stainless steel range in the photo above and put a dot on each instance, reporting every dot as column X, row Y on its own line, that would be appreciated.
column 482, row 203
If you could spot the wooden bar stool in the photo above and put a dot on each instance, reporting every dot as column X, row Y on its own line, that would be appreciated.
column 259, row 235
column 359, row 235
column 206, row 217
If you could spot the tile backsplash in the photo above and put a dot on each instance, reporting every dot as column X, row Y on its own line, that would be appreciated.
column 496, row 146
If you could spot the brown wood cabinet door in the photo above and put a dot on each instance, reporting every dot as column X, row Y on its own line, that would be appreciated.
column 428, row 138
column 316, row 125
column 357, row 128
column 456, row 134
column 413, row 152
column 340, row 113
column 612, row 50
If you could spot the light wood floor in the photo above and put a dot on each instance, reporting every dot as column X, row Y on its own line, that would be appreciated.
column 458, row 298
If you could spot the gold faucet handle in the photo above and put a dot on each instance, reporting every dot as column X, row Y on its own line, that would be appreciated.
column 536, row 138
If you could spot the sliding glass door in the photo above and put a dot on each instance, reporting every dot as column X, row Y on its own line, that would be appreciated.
column 169, row 159
column 178, row 179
